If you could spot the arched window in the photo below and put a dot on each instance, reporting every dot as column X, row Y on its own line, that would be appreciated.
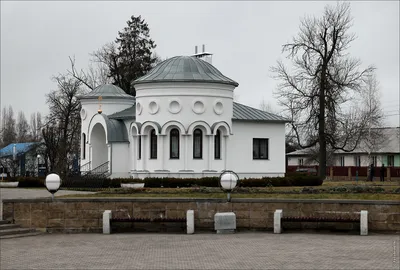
column 174, row 144
column 153, row 144
column 197, row 144
column 139, row 147
column 83, row 146
column 217, row 145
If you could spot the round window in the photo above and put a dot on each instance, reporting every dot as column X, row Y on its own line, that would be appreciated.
column 153, row 107
column 83, row 114
column 198, row 107
column 218, row 107
column 174, row 106
column 139, row 108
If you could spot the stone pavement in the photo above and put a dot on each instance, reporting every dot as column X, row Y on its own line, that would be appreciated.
column 243, row 250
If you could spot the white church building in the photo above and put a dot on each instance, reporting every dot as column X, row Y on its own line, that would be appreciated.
column 183, row 122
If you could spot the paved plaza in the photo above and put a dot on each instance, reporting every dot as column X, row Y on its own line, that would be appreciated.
column 261, row 250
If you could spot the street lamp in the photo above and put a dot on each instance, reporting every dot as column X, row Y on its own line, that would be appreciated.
column 228, row 181
column 38, row 160
column 53, row 183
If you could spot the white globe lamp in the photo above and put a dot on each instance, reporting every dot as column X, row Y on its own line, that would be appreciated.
column 228, row 181
column 53, row 182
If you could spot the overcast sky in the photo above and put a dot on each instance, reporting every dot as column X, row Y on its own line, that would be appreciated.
column 245, row 37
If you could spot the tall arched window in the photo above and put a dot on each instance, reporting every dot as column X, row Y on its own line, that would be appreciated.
column 174, row 144
column 197, row 144
column 83, row 146
column 139, row 147
column 153, row 144
column 217, row 145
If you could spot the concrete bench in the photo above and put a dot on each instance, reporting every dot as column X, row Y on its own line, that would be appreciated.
column 189, row 220
column 279, row 218
column 225, row 222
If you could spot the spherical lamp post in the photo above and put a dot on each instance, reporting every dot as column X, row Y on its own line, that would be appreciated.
column 53, row 182
column 38, row 160
column 228, row 181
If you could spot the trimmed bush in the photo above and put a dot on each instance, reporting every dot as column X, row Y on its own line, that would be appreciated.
column 24, row 182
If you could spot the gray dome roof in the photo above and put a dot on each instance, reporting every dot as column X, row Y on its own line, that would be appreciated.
column 107, row 91
column 185, row 69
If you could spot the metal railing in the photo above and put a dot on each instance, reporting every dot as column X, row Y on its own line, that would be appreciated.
column 96, row 178
column 85, row 168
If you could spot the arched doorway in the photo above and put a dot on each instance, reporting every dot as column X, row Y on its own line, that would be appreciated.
column 99, row 146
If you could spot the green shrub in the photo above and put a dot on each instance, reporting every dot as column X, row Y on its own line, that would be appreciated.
column 292, row 180
column 24, row 182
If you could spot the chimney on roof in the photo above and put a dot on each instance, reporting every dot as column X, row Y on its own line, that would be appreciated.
column 203, row 55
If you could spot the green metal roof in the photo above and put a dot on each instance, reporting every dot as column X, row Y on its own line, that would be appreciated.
column 129, row 113
column 245, row 113
column 240, row 113
column 107, row 91
column 185, row 69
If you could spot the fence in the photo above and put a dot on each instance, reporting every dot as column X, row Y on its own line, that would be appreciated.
column 351, row 172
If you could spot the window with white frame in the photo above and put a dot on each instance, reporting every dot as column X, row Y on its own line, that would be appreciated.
column 342, row 161
column 83, row 146
column 197, row 144
column 153, row 144
column 390, row 160
column 139, row 147
column 217, row 145
column 374, row 160
column 260, row 148
column 174, row 144
column 357, row 161
column 300, row 162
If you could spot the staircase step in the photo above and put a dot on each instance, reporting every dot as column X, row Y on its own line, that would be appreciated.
column 16, row 231
column 8, row 226
column 4, row 222
column 20, row 235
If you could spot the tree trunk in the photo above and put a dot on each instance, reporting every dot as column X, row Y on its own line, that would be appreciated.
column 321, row 127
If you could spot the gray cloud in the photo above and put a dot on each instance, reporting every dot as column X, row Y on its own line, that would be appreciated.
column 245, row 37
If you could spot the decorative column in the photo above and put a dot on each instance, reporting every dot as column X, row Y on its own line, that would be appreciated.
column 185, row 151
column 90, row 156
column 210, row 150
column 134, row 152
column 225, row 150
column 160, row 150
column 109, row 157
column 143, row 150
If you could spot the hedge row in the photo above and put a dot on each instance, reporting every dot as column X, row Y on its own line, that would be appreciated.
column 170, row 182
column 27, row 181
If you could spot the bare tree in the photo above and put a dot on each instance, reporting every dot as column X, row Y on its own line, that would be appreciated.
column 9, row 134
column 267, row 107
column 318, row 90
column 371, row 106
column 61, row 133
column 36, row 126
column 22, row 128
column 95, row 75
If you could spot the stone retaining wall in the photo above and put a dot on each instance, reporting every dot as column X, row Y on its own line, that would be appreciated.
column 85, row 214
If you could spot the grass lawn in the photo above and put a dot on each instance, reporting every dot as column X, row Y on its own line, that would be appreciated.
column 344, row 196
column 268, row 192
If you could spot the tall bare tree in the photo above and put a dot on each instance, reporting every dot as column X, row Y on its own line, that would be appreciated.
column 318, row 90
column 61, row 133
column 36, row 126
column 371, row 106
column 8, row 126
column 22, row 128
